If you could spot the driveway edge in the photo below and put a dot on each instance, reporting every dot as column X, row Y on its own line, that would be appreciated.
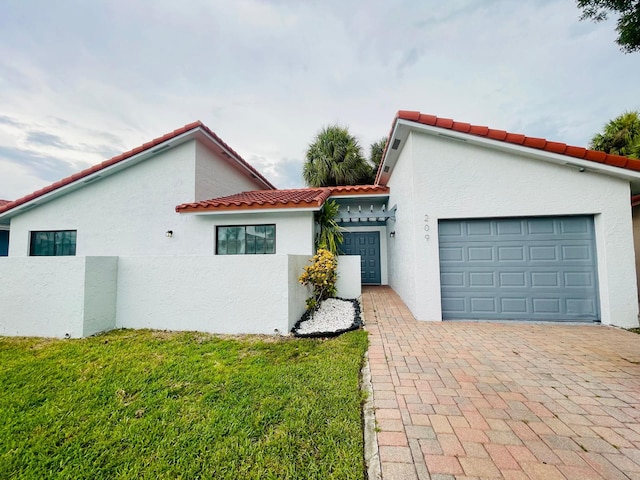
column 371, row 454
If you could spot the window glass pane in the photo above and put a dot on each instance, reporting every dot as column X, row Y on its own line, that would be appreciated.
column 232, row 240
column 249, row 239
column 65, row 243
column 222, row 241
column 260, row 238
column 271, row 244
column 241, row 231
column 43, row 243
column 53, row 243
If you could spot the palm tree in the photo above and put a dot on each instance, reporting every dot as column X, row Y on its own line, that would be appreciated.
column 621, row 136
column 335, row 158
column 329, row 235
column 376, row 150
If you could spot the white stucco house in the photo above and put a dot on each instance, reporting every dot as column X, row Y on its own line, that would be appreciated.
column 464, row 222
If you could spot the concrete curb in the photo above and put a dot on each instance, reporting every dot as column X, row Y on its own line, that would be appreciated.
column 371, row 454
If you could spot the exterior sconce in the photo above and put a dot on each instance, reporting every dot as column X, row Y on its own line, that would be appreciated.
column 392, row 234
column 169, row 233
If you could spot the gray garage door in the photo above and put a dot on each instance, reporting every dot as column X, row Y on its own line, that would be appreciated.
column 540, row 268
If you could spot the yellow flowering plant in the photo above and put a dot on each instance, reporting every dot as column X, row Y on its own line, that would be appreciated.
column 322, row 276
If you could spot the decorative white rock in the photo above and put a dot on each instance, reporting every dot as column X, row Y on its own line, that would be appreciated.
column 332, row 316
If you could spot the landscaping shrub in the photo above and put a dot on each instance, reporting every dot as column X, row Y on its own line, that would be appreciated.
column 322, row 276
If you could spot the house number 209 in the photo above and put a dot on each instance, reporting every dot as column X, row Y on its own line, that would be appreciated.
column 426, row 227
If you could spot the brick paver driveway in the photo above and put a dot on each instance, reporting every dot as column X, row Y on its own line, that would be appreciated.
column 502, row 400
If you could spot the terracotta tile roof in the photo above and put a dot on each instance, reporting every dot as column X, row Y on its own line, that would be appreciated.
column 517, row 139
column 344, row 190
column 123, row 156
column 4, row 202
column 261, row 199
column 279, row 199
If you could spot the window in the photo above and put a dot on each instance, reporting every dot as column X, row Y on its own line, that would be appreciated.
column 246, row 240
column 57, row 243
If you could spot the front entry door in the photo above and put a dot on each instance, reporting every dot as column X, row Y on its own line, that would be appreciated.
column 367, row 245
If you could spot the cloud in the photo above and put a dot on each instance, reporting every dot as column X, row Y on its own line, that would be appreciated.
column 283, row 172
column 267, row 74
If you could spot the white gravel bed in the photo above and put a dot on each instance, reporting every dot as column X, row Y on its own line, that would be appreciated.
column 333, row 315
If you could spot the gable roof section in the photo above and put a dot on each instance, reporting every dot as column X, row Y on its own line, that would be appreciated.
column 148, row 147
column 297, row 198
column 4, row 202
column 506, row 137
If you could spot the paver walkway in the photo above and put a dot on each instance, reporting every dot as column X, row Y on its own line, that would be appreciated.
column 475, row 400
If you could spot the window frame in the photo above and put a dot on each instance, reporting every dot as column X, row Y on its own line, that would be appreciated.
column 245, row 226
column 56, row 245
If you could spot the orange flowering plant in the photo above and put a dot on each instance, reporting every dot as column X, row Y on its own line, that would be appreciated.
column 322, row 276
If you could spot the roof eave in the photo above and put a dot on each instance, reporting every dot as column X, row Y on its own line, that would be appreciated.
column 403, row 128
column 82, row 181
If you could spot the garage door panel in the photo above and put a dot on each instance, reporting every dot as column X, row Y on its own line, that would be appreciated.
column 478, row 228
column 511, row 253
column 581, row 306
column 454, row 304
column 541, row 226
column 514, row 306
column 481, row 279
column 524, row 268
column 576, row 252
column 512, row 279
column 545, row 279
column 452, row 279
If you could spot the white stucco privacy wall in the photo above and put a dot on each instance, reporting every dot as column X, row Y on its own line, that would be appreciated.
column 454, row 180
column 349, row 284
column 57, row 296
column 81, row 296
column 219, row 294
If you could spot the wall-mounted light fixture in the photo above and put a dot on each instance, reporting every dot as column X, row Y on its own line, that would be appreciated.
column 169, row 233
column 392, row 234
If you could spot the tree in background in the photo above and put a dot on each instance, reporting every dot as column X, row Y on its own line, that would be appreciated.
column 335, row 158
column 628, row 24
column 621, row 136
column 376, row 150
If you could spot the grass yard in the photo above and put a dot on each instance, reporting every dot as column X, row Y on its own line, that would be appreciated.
column 146, row 404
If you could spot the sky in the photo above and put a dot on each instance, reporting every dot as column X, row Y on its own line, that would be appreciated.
column 82, row 81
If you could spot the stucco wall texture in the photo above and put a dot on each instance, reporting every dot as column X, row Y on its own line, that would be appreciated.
column 437, row 178
column 80, row 296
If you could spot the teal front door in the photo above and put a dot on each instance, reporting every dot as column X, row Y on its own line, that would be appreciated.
column 367, row 245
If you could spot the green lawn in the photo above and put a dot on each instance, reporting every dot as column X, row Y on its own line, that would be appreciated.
column 146, row 404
